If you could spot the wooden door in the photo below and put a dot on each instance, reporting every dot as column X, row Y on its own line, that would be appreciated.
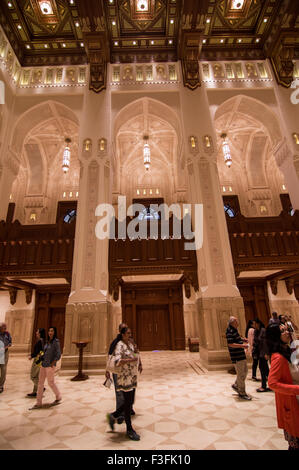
column 153, row 328
column 154, row 312
column 161, row 328
column 50, row 310
column 57, row 318
column 145, row 328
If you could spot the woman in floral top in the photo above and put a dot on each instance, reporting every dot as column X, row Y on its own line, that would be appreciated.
column 126, row 360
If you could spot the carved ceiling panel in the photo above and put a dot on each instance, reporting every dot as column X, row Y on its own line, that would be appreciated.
column 54, row 32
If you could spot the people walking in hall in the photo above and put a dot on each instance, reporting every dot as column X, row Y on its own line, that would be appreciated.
column 5, row 339
column 119, row 394
column 284, row 380
column 126, row 361
column 260, row 353
column 37, row 356
column 274, row 319
column 52, row 354
column 250, row 336
column 237, row 347
column 119, row 397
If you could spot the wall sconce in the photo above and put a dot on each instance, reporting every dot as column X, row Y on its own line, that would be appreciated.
column 208, row 144
column 87, row 145
column 193, row 144
column 296, row 138
column 102, row 147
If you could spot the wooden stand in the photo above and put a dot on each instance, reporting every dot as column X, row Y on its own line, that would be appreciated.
column 80, row 376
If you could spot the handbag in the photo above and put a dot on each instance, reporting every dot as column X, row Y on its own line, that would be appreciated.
column 39, row 359
column 111, row 364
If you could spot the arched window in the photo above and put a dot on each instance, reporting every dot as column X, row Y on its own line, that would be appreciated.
column 292, row 212
column 148, row 214
column 70, row 216
column 230, row 212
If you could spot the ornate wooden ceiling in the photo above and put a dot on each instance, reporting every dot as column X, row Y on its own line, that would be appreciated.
column 53, row 32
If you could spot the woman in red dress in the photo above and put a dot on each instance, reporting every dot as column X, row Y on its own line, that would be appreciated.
column 284, row 381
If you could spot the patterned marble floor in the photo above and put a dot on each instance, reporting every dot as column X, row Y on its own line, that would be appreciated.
column 177, row 407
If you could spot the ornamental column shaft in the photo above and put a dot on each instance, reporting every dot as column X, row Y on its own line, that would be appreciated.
column 219, row 296
column 88, row 307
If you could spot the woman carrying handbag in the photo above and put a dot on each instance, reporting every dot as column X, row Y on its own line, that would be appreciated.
column 124, row 362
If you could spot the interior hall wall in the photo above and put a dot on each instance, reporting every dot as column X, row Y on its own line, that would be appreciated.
column 19, row 319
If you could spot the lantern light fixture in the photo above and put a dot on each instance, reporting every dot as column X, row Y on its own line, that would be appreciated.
column 226, row 151
column 146, row 153
column 66, row 156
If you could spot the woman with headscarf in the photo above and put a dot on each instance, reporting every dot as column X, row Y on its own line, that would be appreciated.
column 126, row 361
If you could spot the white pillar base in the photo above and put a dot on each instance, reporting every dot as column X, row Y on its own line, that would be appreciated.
column 214, row 314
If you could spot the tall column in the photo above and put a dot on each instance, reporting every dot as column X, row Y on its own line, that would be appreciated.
column 219, row 297
column 88, row 307
column 287, row 153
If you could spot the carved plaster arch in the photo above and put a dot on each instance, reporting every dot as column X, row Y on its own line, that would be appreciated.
column 147, row 116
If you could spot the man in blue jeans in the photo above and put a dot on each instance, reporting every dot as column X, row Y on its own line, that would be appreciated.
column 119, row 394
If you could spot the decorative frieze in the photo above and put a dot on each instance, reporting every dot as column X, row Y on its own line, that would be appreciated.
column 141, row 74
column 252, row 71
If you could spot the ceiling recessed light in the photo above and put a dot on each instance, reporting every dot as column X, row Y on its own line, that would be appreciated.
column 46, row 8
column 239, row 40
column 237, row 4
column 77, row 24
column 152, row 42
column 208, row 20
column 265, row 20
column 204, row 41
column 110, row 1
column 19, row 26
column 82, row 44
column 115, row 43
column 72, row 2
column 27, row 46
column 46, row 46
column 222, row 41
column 10, row 5
column 171, row 21
column 63, row 45
column 170, row 41
column 257, row 40
column 113, row 23
column 134, row 43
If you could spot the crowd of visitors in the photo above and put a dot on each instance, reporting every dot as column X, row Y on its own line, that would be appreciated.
column 272, row 349
column 272, row 344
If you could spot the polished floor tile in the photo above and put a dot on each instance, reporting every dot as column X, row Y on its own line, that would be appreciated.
column 176, row 409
